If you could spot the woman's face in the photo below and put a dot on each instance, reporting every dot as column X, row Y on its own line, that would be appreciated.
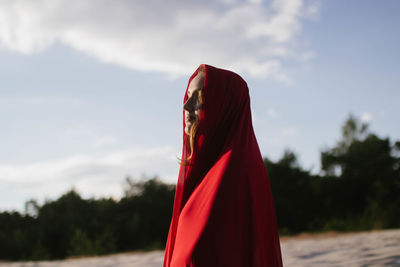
column 193, row 104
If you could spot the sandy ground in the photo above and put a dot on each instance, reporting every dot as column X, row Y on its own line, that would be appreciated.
column 377, row 248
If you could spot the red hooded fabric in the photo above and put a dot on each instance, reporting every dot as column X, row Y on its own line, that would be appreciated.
column 223, row 211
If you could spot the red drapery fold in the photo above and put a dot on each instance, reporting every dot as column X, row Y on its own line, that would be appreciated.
column 223, row 211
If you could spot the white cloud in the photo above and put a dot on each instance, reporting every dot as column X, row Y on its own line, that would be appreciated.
column 283, row 25
column 91, row 175
column 171, row 37
column 366, row 117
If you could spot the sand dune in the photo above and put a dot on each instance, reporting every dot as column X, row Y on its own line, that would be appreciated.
column 377, row 248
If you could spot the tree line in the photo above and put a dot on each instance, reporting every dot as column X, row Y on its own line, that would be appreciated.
column 358, row 188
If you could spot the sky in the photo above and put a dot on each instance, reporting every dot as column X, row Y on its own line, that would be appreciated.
column 91, row 91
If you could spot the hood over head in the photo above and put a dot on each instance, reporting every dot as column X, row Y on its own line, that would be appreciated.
column 223, row 211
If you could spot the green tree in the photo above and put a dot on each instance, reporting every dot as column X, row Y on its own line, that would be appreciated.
column 293, row 193
column 368, row 175
column 81, row 244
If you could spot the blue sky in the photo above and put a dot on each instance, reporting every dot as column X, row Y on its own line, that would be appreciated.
column 91, row 93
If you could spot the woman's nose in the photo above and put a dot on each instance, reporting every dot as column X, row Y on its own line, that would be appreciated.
column 188, row 105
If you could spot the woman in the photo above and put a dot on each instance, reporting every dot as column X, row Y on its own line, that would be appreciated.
column 223, row 211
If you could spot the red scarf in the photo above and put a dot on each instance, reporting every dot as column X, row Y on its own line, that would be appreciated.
column 223, row 210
